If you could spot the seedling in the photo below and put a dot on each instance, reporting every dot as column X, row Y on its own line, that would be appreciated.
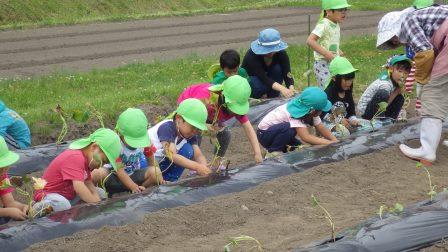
column 64, row 129
column 382, row 107
column 397, row 209
column 234, row 242
column 432, row 188
column 316, row 203
column 96, row 113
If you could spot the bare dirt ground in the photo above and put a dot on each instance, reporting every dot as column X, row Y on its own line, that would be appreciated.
column 108, row 45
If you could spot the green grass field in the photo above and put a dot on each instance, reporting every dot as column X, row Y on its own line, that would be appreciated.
column 31, row 13
column 112, row 91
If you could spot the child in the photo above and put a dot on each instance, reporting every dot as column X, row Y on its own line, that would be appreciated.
column 11, row 209
column 69, row 175
column 132, row 126
column 224, row 102
column 386, row 89
column 13, row 128
column 176, row 141
column 230, row 65
column 340, row 93
column 325, row 38
column 280, row 128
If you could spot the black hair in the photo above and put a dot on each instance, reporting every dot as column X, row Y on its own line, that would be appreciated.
column 230, row 59
column 335, row 85
column 404, row 65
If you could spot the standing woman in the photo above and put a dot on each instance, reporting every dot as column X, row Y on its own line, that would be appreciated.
column 426, row 32
column 267, row 65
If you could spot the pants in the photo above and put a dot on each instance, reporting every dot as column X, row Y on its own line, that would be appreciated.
column 114, row 185
column 435, row 98
column 392, row 110
column 171, row 171
column 278, row 137
column 259, row 88
column 60, row 203
column 223, row 138
column 322, row 72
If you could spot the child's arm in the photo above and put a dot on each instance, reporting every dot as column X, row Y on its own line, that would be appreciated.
column 12, row 208
column 128, row 182
column 198, row 156
column 325, row 132
column 201, row 169
column 312, row 42
column 250, row 133
column 307, row 137
column 84, row 192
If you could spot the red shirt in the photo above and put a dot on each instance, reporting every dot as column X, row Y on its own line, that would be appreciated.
column 69, row 166
column 7, row 190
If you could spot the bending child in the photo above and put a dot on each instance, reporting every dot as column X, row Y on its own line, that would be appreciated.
column 388, row 88
column 176, row 141
column 325, row 38
column 229, row 62
column 286, row 127
column 68, row 176
column 11, row 208
column 13, row 128
column 137, row 171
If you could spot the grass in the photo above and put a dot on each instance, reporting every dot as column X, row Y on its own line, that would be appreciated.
column 15, row 14
column 112, row 91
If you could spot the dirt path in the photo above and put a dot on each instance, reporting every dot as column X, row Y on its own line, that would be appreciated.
column 278, row 214
column 107, row 45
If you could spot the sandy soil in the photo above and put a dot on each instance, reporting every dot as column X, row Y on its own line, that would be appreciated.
column 278, row 213
column 108, row 45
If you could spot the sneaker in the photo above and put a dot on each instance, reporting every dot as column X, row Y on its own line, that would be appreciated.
column 41, row 209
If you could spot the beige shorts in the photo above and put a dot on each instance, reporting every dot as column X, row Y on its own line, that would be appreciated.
column 435, row 98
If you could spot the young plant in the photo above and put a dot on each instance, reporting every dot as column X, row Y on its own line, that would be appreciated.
column 96, row 113
column 30, row 186
column 64, row 129
column 382, row 106
column 234, row 242
column 432, row 188
column 316, row 203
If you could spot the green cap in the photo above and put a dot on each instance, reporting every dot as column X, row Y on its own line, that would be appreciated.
column 334, row 4
column 7, row 157
column 132, row 124
column 420, row 4
column 108, row 141
column 312, row 98
column 236, row 91
column 194, row 112
column 398, row 58
column 340, row 66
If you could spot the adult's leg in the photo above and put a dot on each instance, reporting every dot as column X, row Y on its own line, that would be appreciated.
column 258, row 88
column 393, row 110
column 275, row 73
column 372, row 106
column 278, row 137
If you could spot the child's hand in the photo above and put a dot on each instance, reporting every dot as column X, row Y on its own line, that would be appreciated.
column 354, row 123
column 286, row 92
column 258, row 158
column 15, row 213
column 203, row 170
column 25, row 208
column 138, row 189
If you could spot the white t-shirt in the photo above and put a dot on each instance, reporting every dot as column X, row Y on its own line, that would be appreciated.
column 329, row 34
column 281, row 115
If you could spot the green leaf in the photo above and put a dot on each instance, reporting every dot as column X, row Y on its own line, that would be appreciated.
column 418, row 165
column 314, row 201
column 26, row 179
column 382, row 106
column 398, row 208
column 80, row 117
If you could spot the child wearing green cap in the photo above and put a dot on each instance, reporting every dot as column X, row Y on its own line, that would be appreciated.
column 176, row 141
column 11, row 208
column 325, row 38
column 229, row 61
column 134, row 175
column 340, row 93
column 286, row 127
column 69, row 175
column 388, row 88
column 224, row 102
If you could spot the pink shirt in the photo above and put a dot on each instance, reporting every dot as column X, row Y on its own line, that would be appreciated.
column 7, row 190
column 69, row 166
column 201, row 92
column 281, row 115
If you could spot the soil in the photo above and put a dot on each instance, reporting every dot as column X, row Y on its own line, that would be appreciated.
column 278, row 213
column 108, row 45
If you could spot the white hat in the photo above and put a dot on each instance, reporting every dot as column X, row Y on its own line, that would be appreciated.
column 390, row 26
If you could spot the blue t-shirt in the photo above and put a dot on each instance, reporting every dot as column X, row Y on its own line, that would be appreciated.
column 132, row 159
column 12, row 124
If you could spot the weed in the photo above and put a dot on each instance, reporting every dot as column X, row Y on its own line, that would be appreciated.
column 234, row 242
column 316, row 203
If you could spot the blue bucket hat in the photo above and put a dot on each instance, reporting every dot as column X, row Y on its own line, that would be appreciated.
column 312, row 98
column 268, row 41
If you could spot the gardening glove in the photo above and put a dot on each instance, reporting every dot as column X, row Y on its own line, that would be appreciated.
column 423, row 65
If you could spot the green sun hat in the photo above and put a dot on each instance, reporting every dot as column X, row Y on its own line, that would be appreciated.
column 334, row 4
column 108, row 141
column 194, row 112
column 236, row 91
column 340, row 66
column 420, row 4
column 132, row 124
column 312, row 98
column 7, row 157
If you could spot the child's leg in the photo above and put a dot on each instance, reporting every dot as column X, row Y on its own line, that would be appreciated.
column 372, row 106
column 99, row 174
column 257, row 86
column 152, row 176
column 223, row 137
column 394, row 107
column 322, row 72
column 278, row 137
column 171, row 171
